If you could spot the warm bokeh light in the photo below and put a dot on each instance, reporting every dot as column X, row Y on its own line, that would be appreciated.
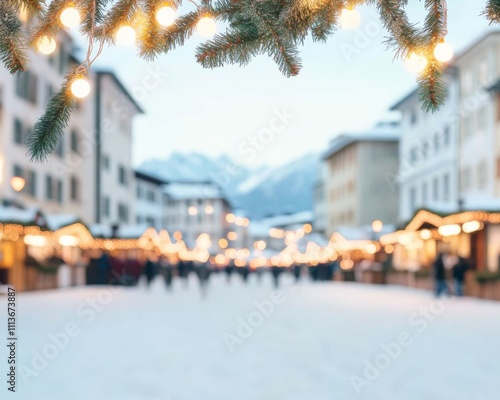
column 449, row 230
column 377, row 226
column 80, row 88
column 166, row 16
column 209, row 210
column 307, row 228
column 125, row 36
column 259, row 245
column 230, row 218
column 416, row 63
column 232, row 236
column 389, row 248
column 192, row 210
column 70, row 17
column 17, row 183
column 426, row 234
column 443, row 52
column 223, row 243
column 472, row 226
column 206, row 27
column 46, row 45
column 178, row 235
column 350, row 18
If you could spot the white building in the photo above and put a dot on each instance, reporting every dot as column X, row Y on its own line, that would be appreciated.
column 358, row 187
column 62, row 184
column 115, row 110
column 428, row 155
column 450, row 159
column 320, row 203
column 196, row 208
column 149, row 205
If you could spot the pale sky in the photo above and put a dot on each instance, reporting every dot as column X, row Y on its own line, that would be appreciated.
column 189, row 108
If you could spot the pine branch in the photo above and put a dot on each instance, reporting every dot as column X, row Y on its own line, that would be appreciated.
column 492, row 11
column 87, row 9
column 50, row 24
column 229, row 48
column 49, row 129
column 12, row 41
column 432, row 89
column 275, row 39
column 34, row 7
column 121, row 13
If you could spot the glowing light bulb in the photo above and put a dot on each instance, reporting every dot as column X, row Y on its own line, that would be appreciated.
column 349, row 19
column 125, row 35
column 23, row 14
column 70, row 17
column 443, row 52
column 166, row 16
column 80, row 88
column 206, row 27
column 416, row 63
column 17, row 183
column 46, row 45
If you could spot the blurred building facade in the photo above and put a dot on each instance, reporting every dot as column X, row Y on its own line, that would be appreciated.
column 450, row 159
column 357, row 181
column 149, row 203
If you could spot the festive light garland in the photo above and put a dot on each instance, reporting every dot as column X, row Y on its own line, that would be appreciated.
column 270, row 27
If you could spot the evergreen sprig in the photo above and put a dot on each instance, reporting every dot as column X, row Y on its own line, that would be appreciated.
column 12, row 42
column 492, row 11
column 50, row 128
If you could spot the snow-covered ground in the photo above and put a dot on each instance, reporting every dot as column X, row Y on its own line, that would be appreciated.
column 307, row 342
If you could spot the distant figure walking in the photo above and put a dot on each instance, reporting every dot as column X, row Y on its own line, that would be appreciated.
column 441, row 286
column 460, row 267
column 150, row 271
column 168, row 271
column 203, row 272
column 276, row 271
column 297, row 272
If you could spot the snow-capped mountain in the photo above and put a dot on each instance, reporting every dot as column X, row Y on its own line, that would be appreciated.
column 258, row 192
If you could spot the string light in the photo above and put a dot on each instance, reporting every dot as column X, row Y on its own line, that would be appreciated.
column 17, row 183
column 206, row 27
column 46, row 45
column 80, row 88
column 349, row 18
column 443, row 52
column 166, row 16
column 416, row 63
column 70, row 17
column 125, row 35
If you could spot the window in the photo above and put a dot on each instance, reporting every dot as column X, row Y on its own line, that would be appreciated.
column 446, row 136
column 49, row 187
column 122, row 213
column 122, row 175
column 26, row 86
column 483, row 73
column 18, row 171
column 74, row 141
column 446, row 187
column 60, row 147
column 18, row 132
column 413, row 117
column 467, row 127
column 60, row 193
column 74, row 189
column 139, row 191
column 106, row 162
column 413, row 198
column 106, row 206
column 63, row 61
column 435, row 189
column 151, row 196
column 481, row 119
column 31, row 183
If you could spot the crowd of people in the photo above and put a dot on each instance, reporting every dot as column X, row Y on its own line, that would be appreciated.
column 109, row 270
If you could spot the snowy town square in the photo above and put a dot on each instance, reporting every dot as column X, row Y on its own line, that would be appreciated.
column 252, row 341
column 249, row 199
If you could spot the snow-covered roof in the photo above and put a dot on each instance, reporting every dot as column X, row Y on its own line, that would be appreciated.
column 123, row 231
column 185, row 191
column 17, row 215
column 57, row 221
column 382, row 132
column 289, row 221
column 364, row 233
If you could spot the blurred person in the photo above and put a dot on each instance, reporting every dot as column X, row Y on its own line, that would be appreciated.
column 460, row 267
column 168, row 271
column 203, row 273
column 150, row 271
column 442, row 269
column 276, row 272
column 297, row 270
